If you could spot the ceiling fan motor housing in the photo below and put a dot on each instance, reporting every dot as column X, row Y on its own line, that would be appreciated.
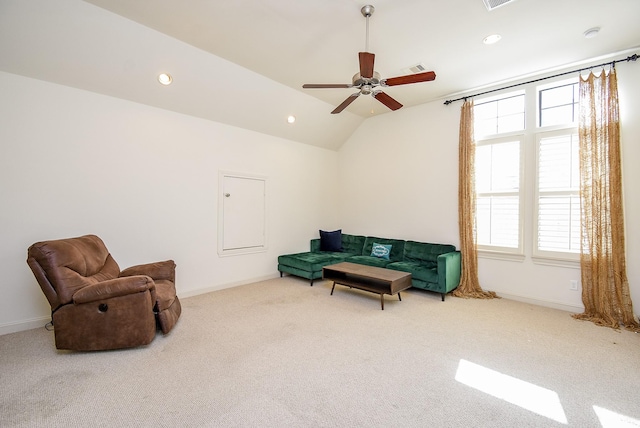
column 358, row 81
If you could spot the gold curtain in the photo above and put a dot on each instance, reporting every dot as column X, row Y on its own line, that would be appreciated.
column 469, row 285
column 605, row 290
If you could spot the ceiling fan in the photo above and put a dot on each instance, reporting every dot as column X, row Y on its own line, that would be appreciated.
column 368, row 80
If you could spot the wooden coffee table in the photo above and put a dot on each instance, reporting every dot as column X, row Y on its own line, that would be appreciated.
column 368, row 278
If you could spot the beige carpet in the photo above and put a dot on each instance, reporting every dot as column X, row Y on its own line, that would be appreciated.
column 282, row 354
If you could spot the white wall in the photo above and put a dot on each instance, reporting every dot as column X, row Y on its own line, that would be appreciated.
column 74, row 162
column 629, row 94
column 398, row 176
column 146, row 180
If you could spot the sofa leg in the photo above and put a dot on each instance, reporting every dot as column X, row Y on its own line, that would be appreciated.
column 442, row 296
column 280, row 274
column 311, row 284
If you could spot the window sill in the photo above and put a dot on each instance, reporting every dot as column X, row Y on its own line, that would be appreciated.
column 500, row 255
column 554, row 261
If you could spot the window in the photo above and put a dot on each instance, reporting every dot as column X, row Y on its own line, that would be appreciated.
column 558, row 214
column 529, row 136
column 557, row 202
column 499, row 115
column 558, row 104
column 498, row 194
column 498, row 171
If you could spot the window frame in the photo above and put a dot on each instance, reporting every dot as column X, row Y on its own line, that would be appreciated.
column 529, row 176
column 545, row 256
column 553, row 258
column 498, row 98
column 553, row 85
column 501, row 252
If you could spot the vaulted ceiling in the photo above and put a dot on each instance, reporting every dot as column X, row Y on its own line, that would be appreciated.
column 243, row 62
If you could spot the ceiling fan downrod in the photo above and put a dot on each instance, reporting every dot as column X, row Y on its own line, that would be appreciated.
column 367, row 11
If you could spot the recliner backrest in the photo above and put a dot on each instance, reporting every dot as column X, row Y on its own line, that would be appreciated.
column 66, row 265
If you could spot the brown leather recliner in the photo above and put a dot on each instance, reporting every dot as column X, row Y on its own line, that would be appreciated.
column 94, row 305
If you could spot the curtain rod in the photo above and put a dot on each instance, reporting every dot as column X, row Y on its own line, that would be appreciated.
column 612, row 63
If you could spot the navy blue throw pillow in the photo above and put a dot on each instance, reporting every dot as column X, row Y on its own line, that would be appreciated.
column 331, row 241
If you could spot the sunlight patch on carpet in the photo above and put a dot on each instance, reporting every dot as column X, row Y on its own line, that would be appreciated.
column 610, row 419
column 512, row 390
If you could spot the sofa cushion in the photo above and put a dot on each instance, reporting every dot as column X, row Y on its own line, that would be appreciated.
column 311, row 262
column 418, row 270
column 368, row 260
column 380, row 250
column 425, row 253
column 331, row 241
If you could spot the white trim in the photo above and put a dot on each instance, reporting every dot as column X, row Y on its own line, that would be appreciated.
column 556, row 261
column 211, row 289
column 500, row 255
column 40, row 322
column 546, row 303
column 14, row 327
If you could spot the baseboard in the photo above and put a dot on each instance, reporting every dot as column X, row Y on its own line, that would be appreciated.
column 15, row 327
column 545, row 303
column 205, row 290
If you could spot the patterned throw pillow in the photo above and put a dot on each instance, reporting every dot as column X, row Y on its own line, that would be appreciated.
column 381, row 251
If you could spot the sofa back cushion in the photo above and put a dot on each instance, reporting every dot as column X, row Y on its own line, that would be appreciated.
column 424, row 252
column 397, row 247
column 352, row 243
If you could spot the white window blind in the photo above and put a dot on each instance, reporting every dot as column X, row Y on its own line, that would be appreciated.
column 558, row 214
column 498, row 194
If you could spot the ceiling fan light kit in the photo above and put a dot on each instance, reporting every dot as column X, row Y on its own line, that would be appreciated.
column 367, row 80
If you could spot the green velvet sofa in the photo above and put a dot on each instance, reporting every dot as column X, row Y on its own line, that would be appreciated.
column 433, row 267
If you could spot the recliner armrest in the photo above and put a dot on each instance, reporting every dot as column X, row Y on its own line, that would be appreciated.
column 114, row 288
column 159, row 270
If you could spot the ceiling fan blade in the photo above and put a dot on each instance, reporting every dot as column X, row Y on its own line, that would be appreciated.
column 326, row 85
column 409, row 78
column 366, row 64
column 387, row 100
column 345, row 103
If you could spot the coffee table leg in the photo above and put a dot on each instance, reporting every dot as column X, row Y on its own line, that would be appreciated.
column 382, row 301
column 334, row 286
column 399, row 298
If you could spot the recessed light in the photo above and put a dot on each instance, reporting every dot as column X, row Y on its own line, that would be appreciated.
column 165, row 79
column 493, row 38
column 591, row 32
column 291, row 119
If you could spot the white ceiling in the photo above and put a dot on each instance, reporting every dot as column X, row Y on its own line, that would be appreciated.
column 286, row 43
